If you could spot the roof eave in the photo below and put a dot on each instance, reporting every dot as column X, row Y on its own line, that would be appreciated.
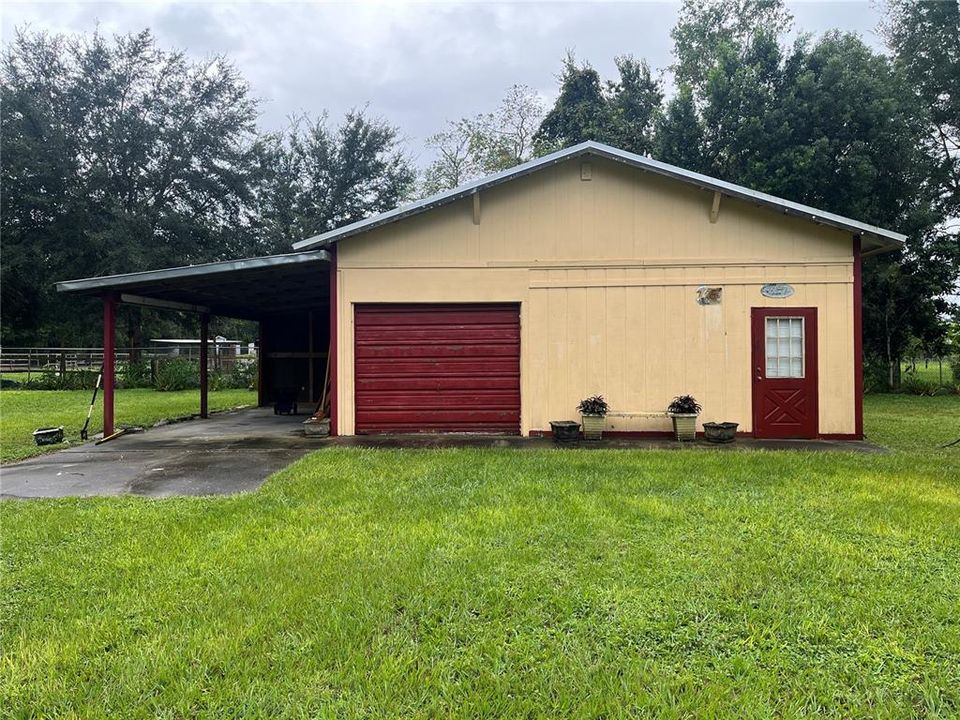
column 887, row 239
column 111, row 282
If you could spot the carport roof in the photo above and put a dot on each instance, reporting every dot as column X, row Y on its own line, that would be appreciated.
column 250, row 288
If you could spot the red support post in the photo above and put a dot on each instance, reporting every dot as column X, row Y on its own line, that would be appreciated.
column 109, row 360
column 260, row 361
column 858, row 336
column 334, row 410
column 204, row 360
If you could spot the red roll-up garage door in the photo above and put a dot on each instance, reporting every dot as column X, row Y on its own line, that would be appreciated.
column 437, row 368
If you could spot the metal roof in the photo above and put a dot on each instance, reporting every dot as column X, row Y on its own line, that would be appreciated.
column 250, row 288
column 884, row 239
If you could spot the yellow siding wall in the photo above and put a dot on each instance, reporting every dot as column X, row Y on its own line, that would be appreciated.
column 606, row 273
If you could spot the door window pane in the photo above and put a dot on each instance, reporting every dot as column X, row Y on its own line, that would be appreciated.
column 784, row 347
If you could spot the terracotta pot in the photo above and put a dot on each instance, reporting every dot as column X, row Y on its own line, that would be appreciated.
column 593, row 426
column 685, row 426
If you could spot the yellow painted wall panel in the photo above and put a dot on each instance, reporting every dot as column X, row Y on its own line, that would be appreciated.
column 606, row 273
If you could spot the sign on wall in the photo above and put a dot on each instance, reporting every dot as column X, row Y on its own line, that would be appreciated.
column 777, row 290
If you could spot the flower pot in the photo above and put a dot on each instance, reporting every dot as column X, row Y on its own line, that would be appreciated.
column 316, row 428
column 685, row 426
column 724, row 432
column 48, row 436
column 593, row 426
column 565, row 431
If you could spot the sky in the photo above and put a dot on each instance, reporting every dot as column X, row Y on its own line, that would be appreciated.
column 416, row 64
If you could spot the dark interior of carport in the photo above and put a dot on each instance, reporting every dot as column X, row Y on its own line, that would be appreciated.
column 287, row 295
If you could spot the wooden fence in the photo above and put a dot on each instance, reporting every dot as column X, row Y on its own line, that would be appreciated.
column 39, row 360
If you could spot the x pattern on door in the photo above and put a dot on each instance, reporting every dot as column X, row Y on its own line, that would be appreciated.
column 785, row 408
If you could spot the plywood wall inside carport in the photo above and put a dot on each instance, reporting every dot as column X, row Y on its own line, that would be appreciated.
column 606, row 272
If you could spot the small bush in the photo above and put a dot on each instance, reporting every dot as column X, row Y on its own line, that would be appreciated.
column 71, row 380
column 913, row 385
column 876, row 376
column 176, row 374
column 135, row 375
column 238, row 376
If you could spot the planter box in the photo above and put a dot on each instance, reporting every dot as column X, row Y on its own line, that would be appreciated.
column 685, row 426
column 724, row 432
column 316, row 428
column 48, row 436
column 565, row 432
column 593, row 426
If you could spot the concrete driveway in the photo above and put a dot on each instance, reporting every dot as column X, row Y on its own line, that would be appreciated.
column 231, row 452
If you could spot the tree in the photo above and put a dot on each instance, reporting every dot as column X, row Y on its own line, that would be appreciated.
column 828, row 123
column 706, row 29
column 580, row 112
column 635, row 102
column 118, row 156
column 505, row 138
column 925, row 38
column 316, row 179
column 621, row 113
column 456, row 161
column 678, row 138
column 486, row 143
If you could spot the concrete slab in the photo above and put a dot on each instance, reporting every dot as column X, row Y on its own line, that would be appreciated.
column 607, row 443
column 236, row 451
column 228, row 453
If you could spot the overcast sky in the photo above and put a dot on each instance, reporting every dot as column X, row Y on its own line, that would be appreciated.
column 416, row 64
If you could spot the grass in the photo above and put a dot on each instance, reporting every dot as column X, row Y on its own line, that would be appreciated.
column 23, row 411
column 930, row 372
column 465, row 583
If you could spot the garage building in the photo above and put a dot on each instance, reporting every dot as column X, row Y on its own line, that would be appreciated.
column 497, row 306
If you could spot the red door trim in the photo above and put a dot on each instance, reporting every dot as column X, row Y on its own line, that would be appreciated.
column 758, row 357
column 334, row 405
column 858, row 337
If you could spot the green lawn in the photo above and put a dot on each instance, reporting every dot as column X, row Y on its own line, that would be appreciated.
column 23, row 411
column 468, row 583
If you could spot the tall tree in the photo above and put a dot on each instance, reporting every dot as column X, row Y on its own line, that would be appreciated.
column 622, row 113
column 580, row 112
column 925, row 38
column 118, row 156
column 829, row 123
column 486, row 143
column 706, row 29
column 678, row 137
column 635, row 102
column 456, row 159
column 317, row 179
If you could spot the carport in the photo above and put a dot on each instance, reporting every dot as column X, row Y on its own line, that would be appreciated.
column 291, row 297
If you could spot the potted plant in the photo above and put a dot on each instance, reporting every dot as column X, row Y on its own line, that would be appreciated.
column 684, row 410
column 592, row 411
